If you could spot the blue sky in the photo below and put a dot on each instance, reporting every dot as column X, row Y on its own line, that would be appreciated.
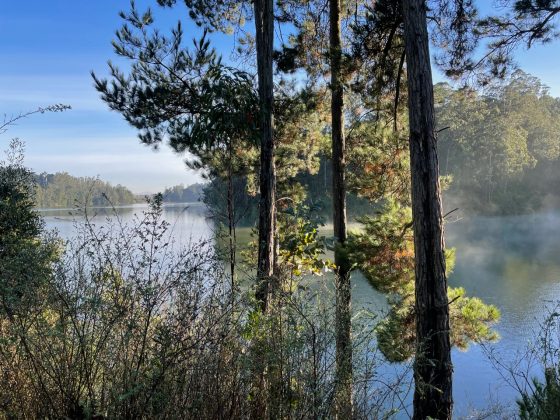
column 48, row 49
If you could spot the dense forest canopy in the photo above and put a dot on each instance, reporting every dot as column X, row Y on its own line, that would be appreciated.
column 63, row 190
column 181, row 194
column 501, row 147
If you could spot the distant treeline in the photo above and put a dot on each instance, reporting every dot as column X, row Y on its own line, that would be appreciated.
column 501, row 147
column 181, row 194
column 62, row 190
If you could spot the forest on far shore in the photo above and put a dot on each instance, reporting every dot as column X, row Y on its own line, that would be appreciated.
column 62, row 190
column 499, row 148
column 499, row 154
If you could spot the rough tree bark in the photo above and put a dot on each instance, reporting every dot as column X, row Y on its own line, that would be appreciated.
column 343, row 292
column 433, row 369
column 264, row 33
column 231, row 220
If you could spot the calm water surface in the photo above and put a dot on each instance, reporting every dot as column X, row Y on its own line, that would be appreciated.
column 511, row 262
column 187, row 221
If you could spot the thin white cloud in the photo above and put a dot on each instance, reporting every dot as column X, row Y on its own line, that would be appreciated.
column 92, row 160
column 135, row 166
column 30, row 91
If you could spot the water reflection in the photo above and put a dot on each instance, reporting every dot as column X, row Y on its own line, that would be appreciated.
column 513, row 263
column 188, row 222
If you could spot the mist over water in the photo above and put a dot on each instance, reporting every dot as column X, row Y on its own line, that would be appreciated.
column 512, row 262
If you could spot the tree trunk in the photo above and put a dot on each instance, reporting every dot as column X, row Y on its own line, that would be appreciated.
column 343, row 292
column 264, row 37
column 432, row 369
column 231, row 221
column 264, row 26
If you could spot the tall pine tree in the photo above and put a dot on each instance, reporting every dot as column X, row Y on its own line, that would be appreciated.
column 433, row 370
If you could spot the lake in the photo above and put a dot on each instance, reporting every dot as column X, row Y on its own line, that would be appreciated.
column 511, row 262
